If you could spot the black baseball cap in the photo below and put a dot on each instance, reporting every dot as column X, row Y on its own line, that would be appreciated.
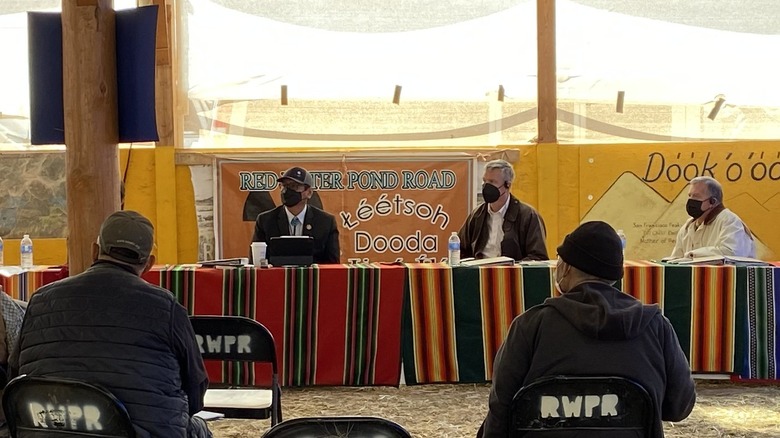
column 127, row 236
column 297, row 174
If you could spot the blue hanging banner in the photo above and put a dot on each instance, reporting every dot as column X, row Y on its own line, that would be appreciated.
column 136, row 31
column 135, row 49
column 47, row 121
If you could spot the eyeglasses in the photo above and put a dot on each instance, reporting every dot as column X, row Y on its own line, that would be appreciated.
column 292, row 185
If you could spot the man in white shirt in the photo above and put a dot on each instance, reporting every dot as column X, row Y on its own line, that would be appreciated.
column 502, row 226
column 712, row 229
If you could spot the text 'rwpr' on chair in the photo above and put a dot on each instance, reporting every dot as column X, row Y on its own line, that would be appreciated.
column 57, row 407
column 346, row 427
column 561, row 406
column 237, row 338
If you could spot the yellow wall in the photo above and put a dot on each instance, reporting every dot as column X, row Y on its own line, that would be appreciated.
column 642, row 188
column 163, row 192
column 157, row 189
column 564, row 182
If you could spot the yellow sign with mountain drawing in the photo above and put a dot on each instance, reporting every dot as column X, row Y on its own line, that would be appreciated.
column 643, row 190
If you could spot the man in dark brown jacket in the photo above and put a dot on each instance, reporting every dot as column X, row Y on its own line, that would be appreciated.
column 502, row 225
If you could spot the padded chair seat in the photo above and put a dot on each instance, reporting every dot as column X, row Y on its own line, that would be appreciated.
column 238, row 398
column 240, row 403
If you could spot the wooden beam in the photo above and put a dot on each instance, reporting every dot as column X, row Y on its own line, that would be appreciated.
column 91, row 122
column 547, row 99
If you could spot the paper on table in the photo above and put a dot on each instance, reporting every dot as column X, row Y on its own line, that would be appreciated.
column 10, row 271
column 490, row 261
column 717, row 260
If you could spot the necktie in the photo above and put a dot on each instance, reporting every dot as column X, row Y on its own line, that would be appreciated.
column 294, row 225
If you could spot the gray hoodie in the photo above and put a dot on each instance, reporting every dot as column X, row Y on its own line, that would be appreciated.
column 594, row 329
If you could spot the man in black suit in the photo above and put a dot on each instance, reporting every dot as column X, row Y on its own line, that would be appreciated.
column 296, row 218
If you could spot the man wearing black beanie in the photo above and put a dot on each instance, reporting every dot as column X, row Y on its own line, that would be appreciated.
column 592, row 329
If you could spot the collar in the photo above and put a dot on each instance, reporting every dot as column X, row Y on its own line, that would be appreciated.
column 300, row 215
column 502, row 210
column 715, row 212
column 115, row 264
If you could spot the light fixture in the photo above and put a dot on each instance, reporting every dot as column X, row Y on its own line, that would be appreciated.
column 719, row 101
column 397, row 95
column 621, row 97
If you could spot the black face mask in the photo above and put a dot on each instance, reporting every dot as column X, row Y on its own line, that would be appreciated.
column 693, row 207
column 490, row 193
column 291, row 197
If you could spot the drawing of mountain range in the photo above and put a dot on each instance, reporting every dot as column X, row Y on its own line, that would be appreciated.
column 651, row 222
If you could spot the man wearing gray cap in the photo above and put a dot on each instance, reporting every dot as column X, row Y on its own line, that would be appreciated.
column 108, row 326
column 297, row 218
column 592, row 329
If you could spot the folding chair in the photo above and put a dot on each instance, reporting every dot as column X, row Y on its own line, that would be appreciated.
column 562, row 406
column 342, row 427
column 55, row 407
column 242, row 339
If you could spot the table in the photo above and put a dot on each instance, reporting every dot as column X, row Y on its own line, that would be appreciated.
column 22, row 285
column 455, row 319
column 333, row 324
column 353, row 324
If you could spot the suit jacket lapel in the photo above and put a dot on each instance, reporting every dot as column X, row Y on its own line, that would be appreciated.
column 281, row 221
column 308, row 220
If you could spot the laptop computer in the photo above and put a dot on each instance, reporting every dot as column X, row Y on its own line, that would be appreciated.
column 291, row 251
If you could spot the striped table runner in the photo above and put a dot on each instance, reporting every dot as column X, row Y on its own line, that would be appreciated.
column 702, row 303
column 763, row 294
column 455, row 319
column 21, row 286
column 333, row 324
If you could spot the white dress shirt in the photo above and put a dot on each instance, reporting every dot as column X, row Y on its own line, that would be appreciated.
column 726, row 235
column 496, row 233
column 298, row 230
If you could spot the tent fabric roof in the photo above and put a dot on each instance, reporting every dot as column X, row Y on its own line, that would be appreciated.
column 748, row 16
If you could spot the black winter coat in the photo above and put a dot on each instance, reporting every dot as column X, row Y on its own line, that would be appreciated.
column 594, row 329
column 110, row 327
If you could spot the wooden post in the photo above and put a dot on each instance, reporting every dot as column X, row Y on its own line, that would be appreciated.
column 91, row 126
column 547, row 83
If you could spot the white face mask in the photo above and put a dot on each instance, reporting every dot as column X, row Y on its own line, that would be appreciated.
column 558, row 279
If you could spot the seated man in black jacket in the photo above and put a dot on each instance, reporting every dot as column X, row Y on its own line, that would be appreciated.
column 592, row 329
column 297, row 217
column 108, row 326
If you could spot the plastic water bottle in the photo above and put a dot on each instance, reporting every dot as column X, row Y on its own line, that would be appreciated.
column 622, row 240
column 26, row 249
column 453, row 248
column 1, row 251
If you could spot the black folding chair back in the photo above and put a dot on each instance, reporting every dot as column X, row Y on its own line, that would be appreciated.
column 342, row 427
column 38, row 407
column 562, row 406
column 237, row 338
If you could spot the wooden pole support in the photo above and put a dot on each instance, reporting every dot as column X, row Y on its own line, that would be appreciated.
column 546, row 72
column 91, row 125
